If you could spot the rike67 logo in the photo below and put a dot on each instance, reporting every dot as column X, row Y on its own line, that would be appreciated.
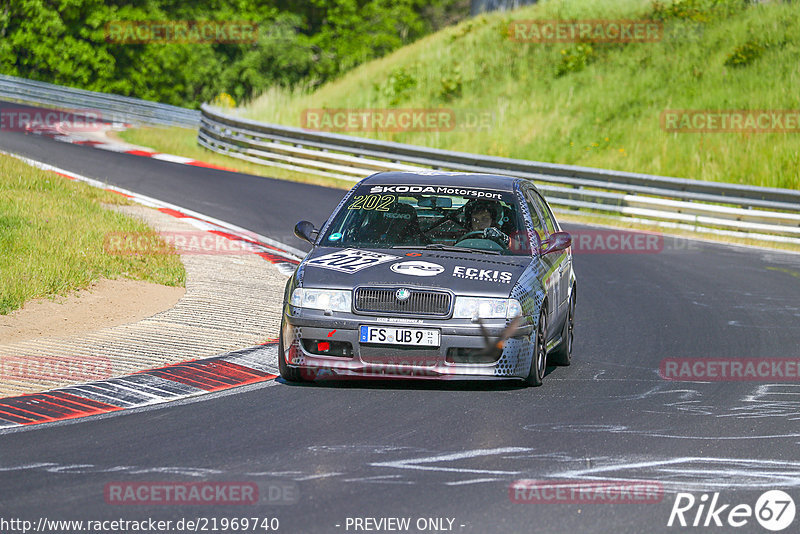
column 774, row 510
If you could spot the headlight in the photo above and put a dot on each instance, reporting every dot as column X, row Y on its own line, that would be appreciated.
column 322, row 299
column 486, row 308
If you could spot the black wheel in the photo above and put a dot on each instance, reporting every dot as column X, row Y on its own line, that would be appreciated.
column 289, row 374
column 539, row 359
column 562, row 355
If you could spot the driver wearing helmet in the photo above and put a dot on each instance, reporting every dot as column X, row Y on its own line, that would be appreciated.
column 485, row 215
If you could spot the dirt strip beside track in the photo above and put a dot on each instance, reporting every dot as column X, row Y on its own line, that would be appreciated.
column 232, row 301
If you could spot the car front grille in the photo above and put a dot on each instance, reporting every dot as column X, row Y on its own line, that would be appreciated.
column 420, row 302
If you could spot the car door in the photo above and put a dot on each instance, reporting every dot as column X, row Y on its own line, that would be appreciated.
column 549, row 261
column 562, row 259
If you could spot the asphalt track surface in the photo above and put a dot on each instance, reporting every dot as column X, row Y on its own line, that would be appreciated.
column 433, row 450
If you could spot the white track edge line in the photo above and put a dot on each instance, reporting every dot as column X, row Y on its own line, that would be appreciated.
column 289, row 251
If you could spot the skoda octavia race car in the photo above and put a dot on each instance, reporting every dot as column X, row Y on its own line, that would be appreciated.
column 431, row 275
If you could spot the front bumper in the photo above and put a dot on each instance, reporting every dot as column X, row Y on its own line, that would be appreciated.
column 302, row 328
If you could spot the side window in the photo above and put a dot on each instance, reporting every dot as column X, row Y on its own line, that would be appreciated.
column 549, row 221
column 538, row 225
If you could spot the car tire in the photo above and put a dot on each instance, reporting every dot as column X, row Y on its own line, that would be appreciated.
column 562, row 355
column 290, row 374
column 539, row 353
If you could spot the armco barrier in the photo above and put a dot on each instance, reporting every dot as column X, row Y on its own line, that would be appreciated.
column 728, row 209
column 113, row 108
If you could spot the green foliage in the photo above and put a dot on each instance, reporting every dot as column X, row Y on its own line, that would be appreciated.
column 283, row 56
column 224, row 100
column 301, row 43
column 355, row 32
column 745, row 54
column 468, row 27
column 696, row 10
column 451, row 85
column 575, row 58
column 398, row 84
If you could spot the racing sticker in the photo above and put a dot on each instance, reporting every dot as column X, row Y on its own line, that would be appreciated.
column 372, row 202
column 350, row 260
column 417, row 268
column 482, row 275
column 435, row 190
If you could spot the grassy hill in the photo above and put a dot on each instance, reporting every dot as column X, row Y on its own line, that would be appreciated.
column 593, row 104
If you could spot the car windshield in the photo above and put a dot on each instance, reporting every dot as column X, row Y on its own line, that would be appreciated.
column 430, row 217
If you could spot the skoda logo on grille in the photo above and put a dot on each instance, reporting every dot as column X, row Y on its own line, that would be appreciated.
column 402, row 294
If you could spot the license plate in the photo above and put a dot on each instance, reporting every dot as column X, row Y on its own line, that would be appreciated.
column 392, row 335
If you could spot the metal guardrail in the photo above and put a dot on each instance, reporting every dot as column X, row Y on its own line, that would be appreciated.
column 731, row 209
column 113, row 108
column 746, row 211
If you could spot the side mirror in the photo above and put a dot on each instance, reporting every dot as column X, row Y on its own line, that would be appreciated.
column 305, row 231
column 556, row 242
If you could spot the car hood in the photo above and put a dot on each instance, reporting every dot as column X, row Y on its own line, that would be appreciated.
column 464, row 273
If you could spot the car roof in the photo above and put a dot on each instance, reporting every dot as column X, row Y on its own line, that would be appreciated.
column 459, row 179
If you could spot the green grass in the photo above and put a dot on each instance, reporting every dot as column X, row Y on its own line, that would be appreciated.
column 52, row 232
column 596, row 105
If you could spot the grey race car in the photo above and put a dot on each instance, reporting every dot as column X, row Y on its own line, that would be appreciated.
column 431, row 275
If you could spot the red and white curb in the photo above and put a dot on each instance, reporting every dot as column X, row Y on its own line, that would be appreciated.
column 166, row 384
column 59, row 133
column 145, row 388
column 285, row 257
column 114, row 147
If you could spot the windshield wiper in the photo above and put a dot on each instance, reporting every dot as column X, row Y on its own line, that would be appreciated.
column 449, row 248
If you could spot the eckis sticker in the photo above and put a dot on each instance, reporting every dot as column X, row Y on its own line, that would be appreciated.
column 483, row 275
column 350, row 260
